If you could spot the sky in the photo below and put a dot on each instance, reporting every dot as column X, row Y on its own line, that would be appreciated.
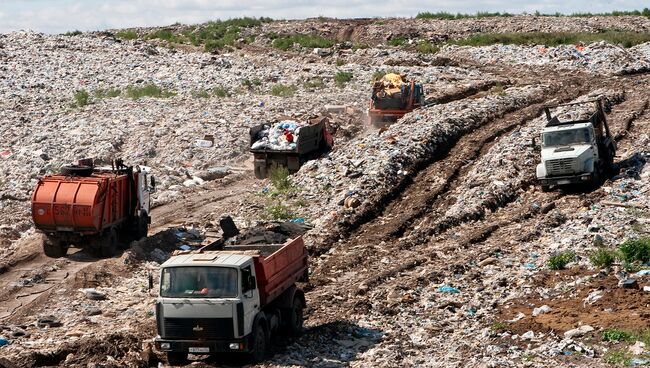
column 59, row 16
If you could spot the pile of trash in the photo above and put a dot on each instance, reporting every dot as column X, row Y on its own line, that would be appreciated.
column 280, row 136
column 598, row 57
column 368, row 168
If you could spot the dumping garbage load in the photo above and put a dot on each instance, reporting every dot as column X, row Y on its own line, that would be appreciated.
column 279, row 136
column 288, row 144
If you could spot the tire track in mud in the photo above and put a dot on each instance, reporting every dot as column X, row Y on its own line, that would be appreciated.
column 448, row 242
column 430, row 188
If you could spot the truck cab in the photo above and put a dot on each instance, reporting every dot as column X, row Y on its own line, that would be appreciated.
column 231, row 300
column 575, row 152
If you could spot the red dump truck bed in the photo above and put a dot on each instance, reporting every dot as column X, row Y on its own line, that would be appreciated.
column 277, row 267
column 81, row 204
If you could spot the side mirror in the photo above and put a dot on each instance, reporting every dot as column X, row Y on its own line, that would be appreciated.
column 534, row 145
column 150, row 279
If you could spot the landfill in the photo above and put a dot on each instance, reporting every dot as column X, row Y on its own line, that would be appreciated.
column 430, row 242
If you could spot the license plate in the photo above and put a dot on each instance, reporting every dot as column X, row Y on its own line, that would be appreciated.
column 563, row 182
column 199, row 350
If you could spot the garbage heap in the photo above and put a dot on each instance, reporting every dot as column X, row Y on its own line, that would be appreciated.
column 280, row 136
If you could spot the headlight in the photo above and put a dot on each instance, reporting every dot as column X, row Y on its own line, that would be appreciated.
column 165, row 345
column 234, row 346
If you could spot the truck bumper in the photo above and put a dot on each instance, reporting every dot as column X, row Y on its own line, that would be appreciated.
column 564, row 180
column 202, row 346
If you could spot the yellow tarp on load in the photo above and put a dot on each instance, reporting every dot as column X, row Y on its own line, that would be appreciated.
column 392, row 83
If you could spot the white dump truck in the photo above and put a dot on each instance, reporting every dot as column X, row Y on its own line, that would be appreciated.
column 576, row 151
column 230, row 300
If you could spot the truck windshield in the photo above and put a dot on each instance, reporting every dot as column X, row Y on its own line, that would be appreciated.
column 199, row 282
column 566, row 137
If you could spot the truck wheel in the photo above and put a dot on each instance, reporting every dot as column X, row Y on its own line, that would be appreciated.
column 54, row 248
column 260, row 171
column 176, row 358
column 259, row 343
column 108, row 246
column 143, row 226
column 296, row 317
column 546, row 188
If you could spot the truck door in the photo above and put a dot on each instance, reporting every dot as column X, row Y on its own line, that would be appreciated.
column 143, row 191
column 250, row 297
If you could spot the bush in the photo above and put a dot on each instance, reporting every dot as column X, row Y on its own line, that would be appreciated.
column 76, row 32
column 220, row 91
column 427, row 47
column 279, row 178
column 635, row 250
column 281, row 90
column 278, row 211
column 149, row 90
column 107, row 93
column 126, row 35
column 316, row 83
column 627, row 39
column 397, row 41
column 342, row 78
column 603, row 257
column 616, row 335
column 307, row 41
column 559, row 261
column 200, row 94
column 450, row 16
column 81, row 98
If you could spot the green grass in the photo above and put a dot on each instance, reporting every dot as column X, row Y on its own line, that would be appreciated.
column 342, row 78
column 397, row 41
column 340, row 62
column 315, row 83
column 220, row 91
column 377, row 75
column 603, row 257
column 559, row 261
column 149, row 90
column 281, row 90
column 211, row 35
column 426, row 47
column 279, row 178
column 126, row 35
column 81, row 98
column 635, row 250
column 278, row 211
column 617, row 357
column 451, row 16
column 307, row 41
column 616, row 335
column 201, row 93
column 499, row 326
column 106, row 93
column 626, row 39
column 499, row 89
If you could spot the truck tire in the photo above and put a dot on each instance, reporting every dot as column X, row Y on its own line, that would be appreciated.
column 54, row 248
column 260, row 171
column 108, row 244
column 76, row 170
column 176, row 358
column 260, row 342
column 141, row 226
column 546, row 188
column 295, row 317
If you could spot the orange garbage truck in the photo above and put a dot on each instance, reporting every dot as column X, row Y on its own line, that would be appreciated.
column 91, row 207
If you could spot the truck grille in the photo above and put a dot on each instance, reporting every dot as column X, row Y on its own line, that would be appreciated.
column 560, row 166
column 198, row 328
